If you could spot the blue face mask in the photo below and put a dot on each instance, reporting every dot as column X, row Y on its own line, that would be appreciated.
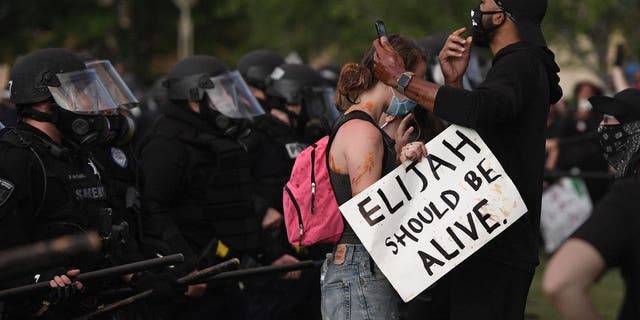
column 400, row 108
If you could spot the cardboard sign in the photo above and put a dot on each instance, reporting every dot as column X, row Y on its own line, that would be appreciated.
column 424, row 218
column 566, row 205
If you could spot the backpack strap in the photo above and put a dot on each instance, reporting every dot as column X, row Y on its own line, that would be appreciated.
column 356, row 114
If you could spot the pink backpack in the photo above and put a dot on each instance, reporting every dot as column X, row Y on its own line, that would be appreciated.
column 311, row 212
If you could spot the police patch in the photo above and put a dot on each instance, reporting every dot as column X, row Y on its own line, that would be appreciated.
column 6, row 189
column 294, row 149
column 119, row 157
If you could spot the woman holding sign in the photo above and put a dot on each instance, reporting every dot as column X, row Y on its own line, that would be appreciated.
column 353, row 287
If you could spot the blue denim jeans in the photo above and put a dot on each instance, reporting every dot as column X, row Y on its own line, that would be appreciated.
column 356, row 289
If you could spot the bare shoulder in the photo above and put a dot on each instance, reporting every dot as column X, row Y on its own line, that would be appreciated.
column 358, row 130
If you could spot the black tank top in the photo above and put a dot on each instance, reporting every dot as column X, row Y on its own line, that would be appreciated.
column 341, row 183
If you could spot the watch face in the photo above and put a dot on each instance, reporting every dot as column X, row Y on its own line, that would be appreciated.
column 404, row 80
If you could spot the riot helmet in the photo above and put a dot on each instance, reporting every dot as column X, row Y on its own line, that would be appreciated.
column 225, row 99
column 287, row 81
column 81, row 104
column 308, row 100
column 330, row 73
column 256, row 66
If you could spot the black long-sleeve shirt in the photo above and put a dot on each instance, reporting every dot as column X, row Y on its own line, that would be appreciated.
column 509, row 111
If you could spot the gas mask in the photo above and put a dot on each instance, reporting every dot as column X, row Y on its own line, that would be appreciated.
column 80, row 108
column 230, row 105
column 318, row 112
column 482, row 34
column 620, row 146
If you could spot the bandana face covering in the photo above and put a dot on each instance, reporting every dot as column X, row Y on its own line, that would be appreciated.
column 620, row 145
column 481, row 34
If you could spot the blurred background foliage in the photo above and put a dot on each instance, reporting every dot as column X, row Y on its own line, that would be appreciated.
column 143, row 33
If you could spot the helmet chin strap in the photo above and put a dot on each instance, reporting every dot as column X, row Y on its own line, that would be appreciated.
column 51, row 117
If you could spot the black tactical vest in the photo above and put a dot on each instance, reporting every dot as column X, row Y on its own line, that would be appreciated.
column 216, row 202
column 74, row 198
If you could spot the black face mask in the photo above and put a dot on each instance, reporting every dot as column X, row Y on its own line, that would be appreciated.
column 229, row 127
column 620, row 145
column 482, row 35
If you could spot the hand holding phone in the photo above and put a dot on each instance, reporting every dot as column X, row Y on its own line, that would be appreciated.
column 380, row 28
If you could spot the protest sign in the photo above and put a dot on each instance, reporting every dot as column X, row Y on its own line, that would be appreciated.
column 566, row 205
column 424, row 218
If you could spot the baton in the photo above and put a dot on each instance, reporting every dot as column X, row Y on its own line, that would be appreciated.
column 188, row 279
column 244, row 273
column 102, row 273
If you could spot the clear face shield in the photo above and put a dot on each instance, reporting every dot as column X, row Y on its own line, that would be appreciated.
column 319, row 104
column 232, row 97
column 82, row 92
column 114, row 84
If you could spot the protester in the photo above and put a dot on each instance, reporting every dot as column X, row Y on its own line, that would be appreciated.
column 609, row 238
column 509, row 110
column 575, row 145
column 360, row 154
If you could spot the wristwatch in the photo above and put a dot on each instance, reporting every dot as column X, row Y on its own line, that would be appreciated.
column 403, row 81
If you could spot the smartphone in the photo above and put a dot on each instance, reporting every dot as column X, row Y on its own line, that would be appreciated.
column 380, row 28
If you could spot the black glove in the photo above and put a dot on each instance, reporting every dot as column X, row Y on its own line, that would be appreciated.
column 165, row 286
column 58, row 294
column 61, row 294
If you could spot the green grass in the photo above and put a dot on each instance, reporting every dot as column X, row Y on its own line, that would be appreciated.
column 606, row 294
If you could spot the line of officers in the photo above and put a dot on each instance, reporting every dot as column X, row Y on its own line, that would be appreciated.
column 205, row 179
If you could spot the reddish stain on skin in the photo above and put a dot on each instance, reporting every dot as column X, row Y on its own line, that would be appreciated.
column 364, row 169
column 333, row 167
column 367, row 107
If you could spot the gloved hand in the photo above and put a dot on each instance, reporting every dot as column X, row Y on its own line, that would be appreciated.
column 165, row 286
column 62, row 289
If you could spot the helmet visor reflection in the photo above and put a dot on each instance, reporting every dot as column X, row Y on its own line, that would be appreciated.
column 232, row 97
column 82, row 92
column 114, row 84
column 319, row 104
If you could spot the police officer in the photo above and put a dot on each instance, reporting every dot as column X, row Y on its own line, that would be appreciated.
column 115, row 156
column 197, row 182
column 51, row 187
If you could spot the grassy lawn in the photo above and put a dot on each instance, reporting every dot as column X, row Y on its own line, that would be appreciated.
column 606, row 294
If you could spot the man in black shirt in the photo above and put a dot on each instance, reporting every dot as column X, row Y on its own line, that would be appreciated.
column 609, row 238
column 509, row 111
